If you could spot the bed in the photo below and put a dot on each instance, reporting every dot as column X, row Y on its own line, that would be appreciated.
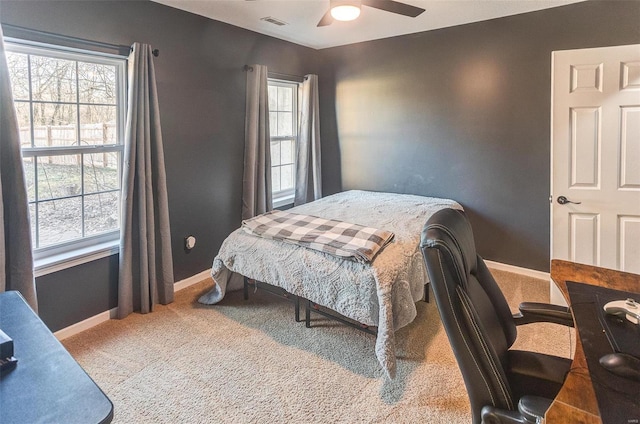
column 381, row 293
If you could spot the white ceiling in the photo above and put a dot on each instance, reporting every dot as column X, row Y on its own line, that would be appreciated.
column 302, row 16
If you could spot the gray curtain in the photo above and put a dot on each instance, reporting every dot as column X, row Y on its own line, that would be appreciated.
column 308, row 172
column 16, row 261
column 256, row 180
column 146, row 267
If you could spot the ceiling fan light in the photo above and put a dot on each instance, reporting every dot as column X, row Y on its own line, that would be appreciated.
column 345, row 12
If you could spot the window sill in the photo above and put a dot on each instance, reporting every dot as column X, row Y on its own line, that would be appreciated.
column 283, row 201
column 55, row 263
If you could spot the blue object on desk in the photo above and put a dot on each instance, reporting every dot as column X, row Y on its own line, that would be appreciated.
column 47, row 385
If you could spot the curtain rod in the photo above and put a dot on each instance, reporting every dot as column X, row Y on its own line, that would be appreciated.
column 277, row 75
column 118, row 47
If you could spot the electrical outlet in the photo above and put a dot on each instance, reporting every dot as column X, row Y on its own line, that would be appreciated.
column 189, row 242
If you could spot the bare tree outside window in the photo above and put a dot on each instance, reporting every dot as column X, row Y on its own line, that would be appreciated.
column 70, row 113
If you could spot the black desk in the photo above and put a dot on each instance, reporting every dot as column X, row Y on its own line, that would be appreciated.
column 48, row 385
column 618, row 398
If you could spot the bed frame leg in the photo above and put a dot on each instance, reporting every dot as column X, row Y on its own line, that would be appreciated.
column 246, row 289
column 296, row 304
column 307, row 315
column 426, row 292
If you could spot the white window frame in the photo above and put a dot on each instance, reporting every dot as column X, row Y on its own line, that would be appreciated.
column 75, row 252
column 286, row 197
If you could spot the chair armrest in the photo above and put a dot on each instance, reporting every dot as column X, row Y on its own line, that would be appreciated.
column 531, row 410
column 543, row 312
column 492, row 415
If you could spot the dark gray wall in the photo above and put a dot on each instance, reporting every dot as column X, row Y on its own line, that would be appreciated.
column 201, row 87
column 462, row 113
column 75, row 294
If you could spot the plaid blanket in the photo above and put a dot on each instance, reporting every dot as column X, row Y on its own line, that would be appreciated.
column 338, row 238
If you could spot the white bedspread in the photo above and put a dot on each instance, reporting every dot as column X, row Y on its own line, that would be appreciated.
column 381, row 293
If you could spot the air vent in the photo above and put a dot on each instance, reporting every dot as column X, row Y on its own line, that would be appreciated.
column 273, row 21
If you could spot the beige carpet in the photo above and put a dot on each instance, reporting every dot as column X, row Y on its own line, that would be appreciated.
column 249, row 362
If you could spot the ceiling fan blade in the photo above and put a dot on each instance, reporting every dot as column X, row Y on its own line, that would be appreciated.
column 394, row 7
column 327, row 19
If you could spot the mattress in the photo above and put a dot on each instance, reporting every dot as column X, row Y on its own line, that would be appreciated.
column 380, row 293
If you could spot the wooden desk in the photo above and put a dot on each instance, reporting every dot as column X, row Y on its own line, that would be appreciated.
column 576, row 401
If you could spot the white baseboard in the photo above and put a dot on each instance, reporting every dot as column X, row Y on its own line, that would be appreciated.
column 518, row 270
column 86, row 324
column 194, row 279
column 112, row 313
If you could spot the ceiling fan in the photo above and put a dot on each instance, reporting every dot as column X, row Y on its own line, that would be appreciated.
column 348, row 10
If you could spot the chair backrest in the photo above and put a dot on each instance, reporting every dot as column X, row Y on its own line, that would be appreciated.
column 475, row 314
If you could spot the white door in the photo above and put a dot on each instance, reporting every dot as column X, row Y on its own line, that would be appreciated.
column 595, row 148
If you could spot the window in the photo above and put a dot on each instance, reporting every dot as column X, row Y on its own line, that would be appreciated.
column 70, row 108
column 283, row 125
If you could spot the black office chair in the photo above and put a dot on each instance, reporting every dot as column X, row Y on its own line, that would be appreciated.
column 504, row 386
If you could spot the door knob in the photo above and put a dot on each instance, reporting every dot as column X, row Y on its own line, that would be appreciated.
column 563, row 201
